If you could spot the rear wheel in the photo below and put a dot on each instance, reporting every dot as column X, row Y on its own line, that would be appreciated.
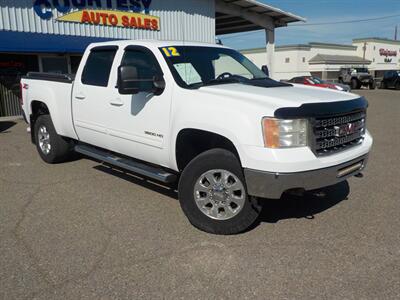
column 52, row 148
column 397, row 85
column 213, row 196
column 383, row 85
column 372, row 85
column 354, row 84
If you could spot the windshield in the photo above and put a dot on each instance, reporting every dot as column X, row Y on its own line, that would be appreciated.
column 194, row 67
column 361, row 70
column 316, row 80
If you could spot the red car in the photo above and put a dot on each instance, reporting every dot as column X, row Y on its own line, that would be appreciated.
column 315, row 81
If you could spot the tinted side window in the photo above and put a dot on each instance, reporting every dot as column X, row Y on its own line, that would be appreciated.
column 98, row 67
column 146, row 65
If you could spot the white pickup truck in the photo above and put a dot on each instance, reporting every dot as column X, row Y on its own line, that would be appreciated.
column 203, row 116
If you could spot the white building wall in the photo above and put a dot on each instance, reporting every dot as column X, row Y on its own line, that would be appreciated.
column 190, row 20
column 292, row 61
column 289, row 59
column 380, row 62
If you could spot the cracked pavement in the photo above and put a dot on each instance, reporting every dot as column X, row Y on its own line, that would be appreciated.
column 81, row 230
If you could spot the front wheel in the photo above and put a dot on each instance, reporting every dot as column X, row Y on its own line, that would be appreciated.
column 213, row 196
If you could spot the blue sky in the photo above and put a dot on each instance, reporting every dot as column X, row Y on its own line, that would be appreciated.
column 318, row 11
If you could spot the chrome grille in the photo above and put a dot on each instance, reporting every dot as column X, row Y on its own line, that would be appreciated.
column 338, row 133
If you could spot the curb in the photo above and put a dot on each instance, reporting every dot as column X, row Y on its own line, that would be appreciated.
column 7, row 119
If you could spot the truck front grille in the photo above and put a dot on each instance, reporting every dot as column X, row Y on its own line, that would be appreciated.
column 338, row 133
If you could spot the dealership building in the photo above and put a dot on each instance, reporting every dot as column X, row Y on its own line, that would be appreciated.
column 51, row 35
column 325, row 60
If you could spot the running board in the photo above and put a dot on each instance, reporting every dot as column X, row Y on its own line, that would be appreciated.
column 127, row 164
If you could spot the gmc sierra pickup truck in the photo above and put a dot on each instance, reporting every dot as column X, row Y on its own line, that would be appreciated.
column 202, row 116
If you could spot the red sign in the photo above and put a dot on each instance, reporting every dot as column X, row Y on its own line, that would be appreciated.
column 386, row 52
column 11, row 64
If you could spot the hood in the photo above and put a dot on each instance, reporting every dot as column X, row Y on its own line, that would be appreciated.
column 277, row 97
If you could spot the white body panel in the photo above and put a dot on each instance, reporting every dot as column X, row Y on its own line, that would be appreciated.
column 234, row 111
column 57, row 97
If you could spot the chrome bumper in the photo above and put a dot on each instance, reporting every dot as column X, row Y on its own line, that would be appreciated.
column 272, row 185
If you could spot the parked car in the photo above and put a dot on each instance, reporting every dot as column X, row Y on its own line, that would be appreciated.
column 318, row 82
column 356, row 78
column 391, row 79
column 202, row 116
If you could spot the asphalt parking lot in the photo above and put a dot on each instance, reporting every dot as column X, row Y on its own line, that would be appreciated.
column 81, row 230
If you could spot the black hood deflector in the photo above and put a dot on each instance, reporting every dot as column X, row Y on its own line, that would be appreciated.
column 319, row 110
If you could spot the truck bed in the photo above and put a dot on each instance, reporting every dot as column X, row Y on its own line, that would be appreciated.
column 55, row 90
column 65, row 78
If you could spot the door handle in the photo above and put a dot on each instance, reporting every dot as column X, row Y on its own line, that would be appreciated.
column 80, row 97
column 116, row 102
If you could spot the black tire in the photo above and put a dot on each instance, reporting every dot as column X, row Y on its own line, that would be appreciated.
column 383, row 85
column 397, row 86
column 355, row 84
column 215, row 159
column 372, row 85
column 60, row 148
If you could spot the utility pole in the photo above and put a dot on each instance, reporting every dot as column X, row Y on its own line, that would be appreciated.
column 364, row 50
column 395, row 33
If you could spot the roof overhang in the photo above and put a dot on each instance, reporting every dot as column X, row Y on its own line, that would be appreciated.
column 234, row 16
column 326, row 59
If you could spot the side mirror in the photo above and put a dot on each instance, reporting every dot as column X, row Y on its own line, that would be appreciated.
column 159, row 85
column 265, row 70
column 129, row 82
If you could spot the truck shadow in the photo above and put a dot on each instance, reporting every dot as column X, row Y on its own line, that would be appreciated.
column 289, row 206
column 167, row 190
column 6, row 125
column 309, row 204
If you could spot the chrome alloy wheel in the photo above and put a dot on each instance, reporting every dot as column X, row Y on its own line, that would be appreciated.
column 44, row 140
column 219, row 194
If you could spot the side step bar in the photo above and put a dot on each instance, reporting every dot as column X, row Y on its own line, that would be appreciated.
column 127, row 164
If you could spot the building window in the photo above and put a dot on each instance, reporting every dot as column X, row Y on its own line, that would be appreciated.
column 75, row 61
column 287, row 60
column 55, row 64
column 304, row 59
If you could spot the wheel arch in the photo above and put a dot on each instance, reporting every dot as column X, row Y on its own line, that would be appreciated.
column 190, row 142
column 37, row 108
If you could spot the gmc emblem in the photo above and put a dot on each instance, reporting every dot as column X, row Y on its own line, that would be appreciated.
column 345, row 129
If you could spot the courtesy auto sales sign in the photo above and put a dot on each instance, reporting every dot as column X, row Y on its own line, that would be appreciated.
column 115, row 13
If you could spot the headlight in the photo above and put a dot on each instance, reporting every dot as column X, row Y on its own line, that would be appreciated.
column 279, row 133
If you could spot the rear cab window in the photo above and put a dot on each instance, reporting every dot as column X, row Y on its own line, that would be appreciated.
column 98, row 66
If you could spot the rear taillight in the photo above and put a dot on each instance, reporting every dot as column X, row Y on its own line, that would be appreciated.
column 22, row 87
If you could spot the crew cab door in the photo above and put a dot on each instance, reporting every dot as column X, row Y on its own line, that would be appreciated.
column 139, row 124
column 91, row 96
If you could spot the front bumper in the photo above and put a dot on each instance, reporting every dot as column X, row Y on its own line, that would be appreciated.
column 273, row 184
